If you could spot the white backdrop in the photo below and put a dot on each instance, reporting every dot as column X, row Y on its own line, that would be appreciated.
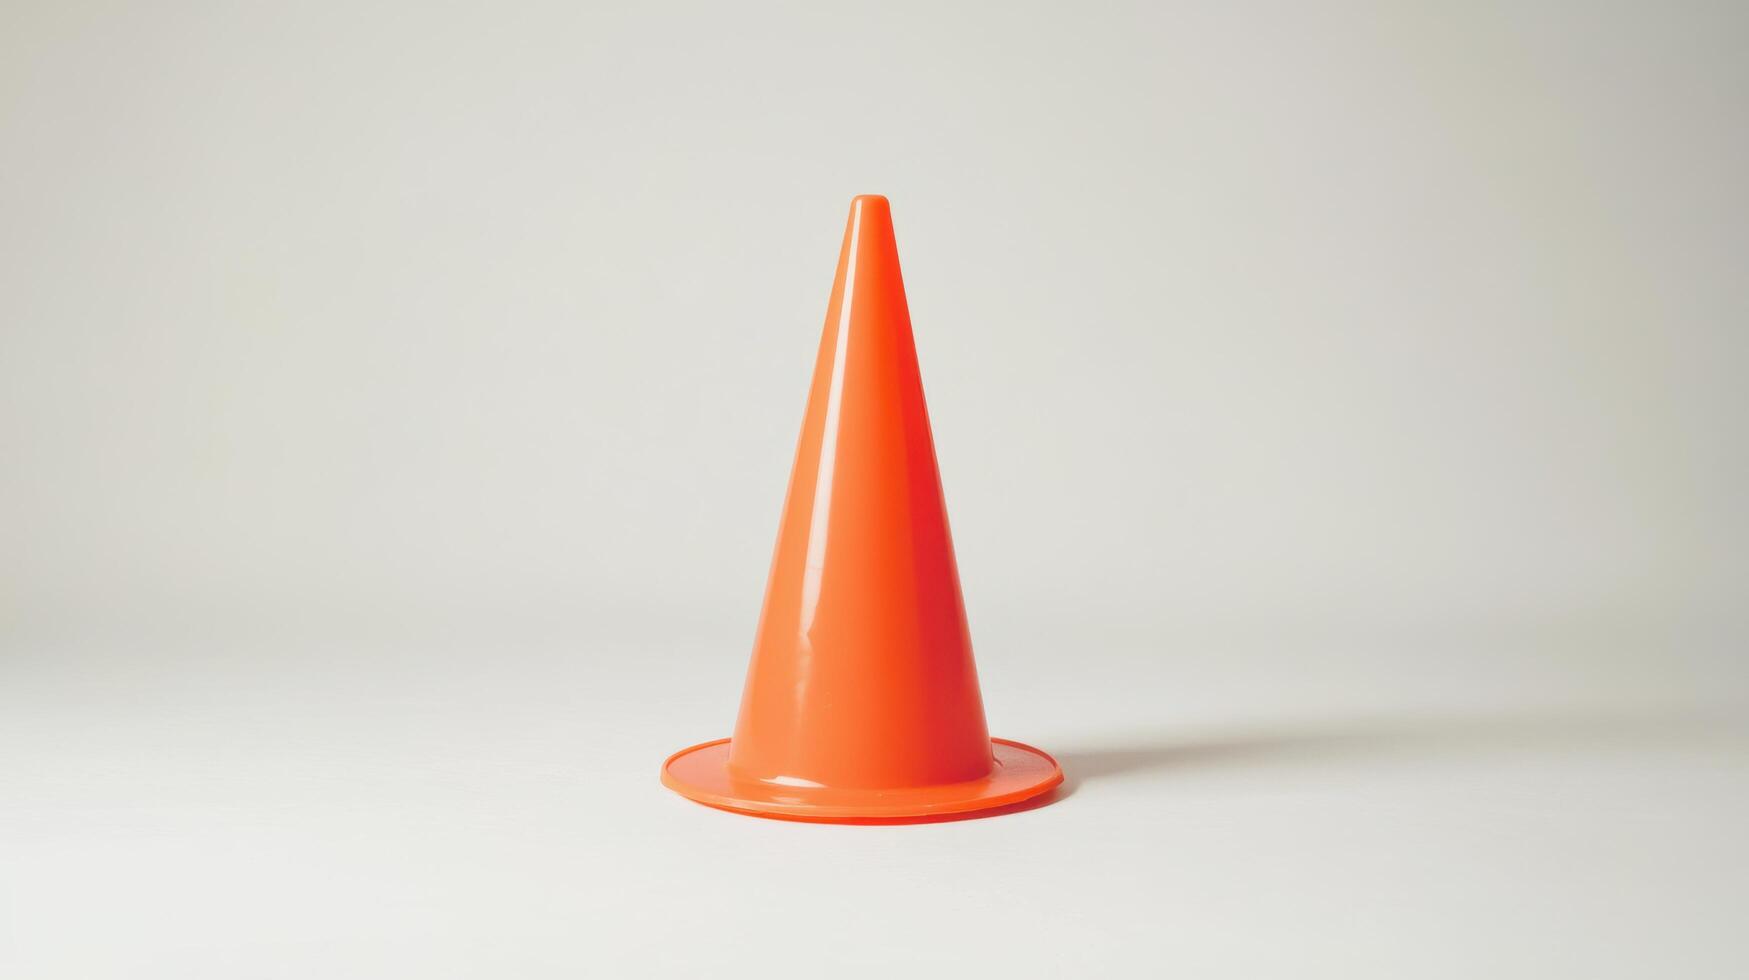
column 1340, row 409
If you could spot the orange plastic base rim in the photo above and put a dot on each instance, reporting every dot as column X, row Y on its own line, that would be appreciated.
column 701, row 773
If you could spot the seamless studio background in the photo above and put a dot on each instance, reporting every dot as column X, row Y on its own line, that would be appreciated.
column 1341, row 411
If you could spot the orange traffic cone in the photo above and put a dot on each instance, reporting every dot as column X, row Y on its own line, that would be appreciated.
column 862, row 700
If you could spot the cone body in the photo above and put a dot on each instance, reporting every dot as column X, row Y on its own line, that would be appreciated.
column 862, row 702
column 862, row 672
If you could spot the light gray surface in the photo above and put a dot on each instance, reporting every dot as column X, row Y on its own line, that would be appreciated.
column 1342, row 416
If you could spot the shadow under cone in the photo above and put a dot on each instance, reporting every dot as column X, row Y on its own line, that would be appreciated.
column 862, row 697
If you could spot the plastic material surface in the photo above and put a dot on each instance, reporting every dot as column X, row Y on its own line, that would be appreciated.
column 862, row 699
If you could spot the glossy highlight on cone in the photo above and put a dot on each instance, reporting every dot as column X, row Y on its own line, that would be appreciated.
column 862, row 698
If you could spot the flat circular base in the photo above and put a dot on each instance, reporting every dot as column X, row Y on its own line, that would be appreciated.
column 702, row 773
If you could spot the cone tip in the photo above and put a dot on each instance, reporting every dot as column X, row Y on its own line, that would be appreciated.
column 875, row 200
